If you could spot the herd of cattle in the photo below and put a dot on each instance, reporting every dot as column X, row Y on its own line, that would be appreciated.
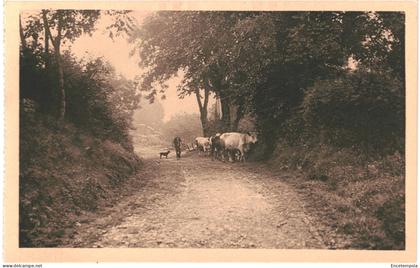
column 231, row 145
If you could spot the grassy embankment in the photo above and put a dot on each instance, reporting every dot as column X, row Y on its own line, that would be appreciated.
column 65, row 173
column 364, row 200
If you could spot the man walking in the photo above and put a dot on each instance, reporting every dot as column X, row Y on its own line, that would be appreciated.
column 177, row 145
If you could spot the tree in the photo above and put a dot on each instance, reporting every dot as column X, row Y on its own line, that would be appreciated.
column 22, row 34
column 190, row 43
column 310, row 47
column 361, row 109
column 381, row 40
column 67, row 25
column 263, row 63
column 62, row 26
column 99, row 99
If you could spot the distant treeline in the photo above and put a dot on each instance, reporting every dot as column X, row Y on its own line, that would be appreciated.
column 148, row 123
column 326, row 77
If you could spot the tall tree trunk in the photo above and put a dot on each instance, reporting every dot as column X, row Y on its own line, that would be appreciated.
column 61, row 89
column 62, row 107
column 216, row 109
column 46, row 39
column 22, row 35
column 225, row 105
column 203, row 109
column 239, row 116
column 204, row 123
column 57, row 53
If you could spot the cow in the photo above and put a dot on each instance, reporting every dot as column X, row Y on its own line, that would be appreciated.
column 203, row 144
column 233, row 142
column 216, row 146
column 177, row 145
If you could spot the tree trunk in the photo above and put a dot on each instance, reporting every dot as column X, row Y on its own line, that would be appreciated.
column 239, row 116
column 203, row 109
column 204, row 123
column 216, row 109
column 225, row 105
column 46, row 39
column 56, row 44
column 22, row 35
column 61, row 89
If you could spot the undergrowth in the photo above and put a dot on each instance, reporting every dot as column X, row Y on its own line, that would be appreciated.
column 361, row 198
column 64, row 172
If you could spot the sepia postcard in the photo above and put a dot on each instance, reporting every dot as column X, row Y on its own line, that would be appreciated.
column 241, row 131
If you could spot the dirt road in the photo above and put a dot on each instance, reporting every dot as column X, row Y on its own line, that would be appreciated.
column 200, row 203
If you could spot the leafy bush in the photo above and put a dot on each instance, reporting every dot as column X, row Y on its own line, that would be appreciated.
column 363, row 108
column 64, row 171
column 363, row 200
column 35, row 81
column 97, row 98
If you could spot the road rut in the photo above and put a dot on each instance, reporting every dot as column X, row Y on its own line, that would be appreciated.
column 195, row 202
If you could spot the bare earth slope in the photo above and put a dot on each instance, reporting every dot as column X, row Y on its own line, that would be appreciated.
column 199, row 203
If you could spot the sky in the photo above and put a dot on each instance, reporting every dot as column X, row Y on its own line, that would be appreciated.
column 117, row 53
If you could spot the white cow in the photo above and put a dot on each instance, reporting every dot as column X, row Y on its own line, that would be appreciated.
column 234, row 141
column 203, row 143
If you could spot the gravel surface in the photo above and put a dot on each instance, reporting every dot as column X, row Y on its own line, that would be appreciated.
column 195, row 202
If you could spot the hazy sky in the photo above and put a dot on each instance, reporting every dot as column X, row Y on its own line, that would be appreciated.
column 117, row 53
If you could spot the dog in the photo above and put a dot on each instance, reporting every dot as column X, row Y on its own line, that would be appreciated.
column 164, row 153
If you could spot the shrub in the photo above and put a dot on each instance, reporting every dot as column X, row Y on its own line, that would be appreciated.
column 363, row 199
column 97, row 99
column 363, row 108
